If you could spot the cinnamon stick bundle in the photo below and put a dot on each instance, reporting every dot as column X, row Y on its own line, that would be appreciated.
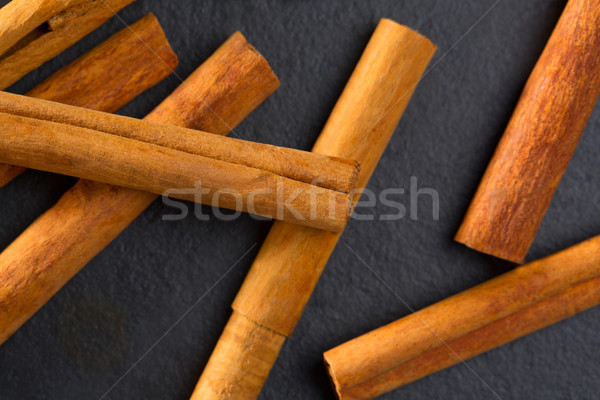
column 540, row 139
column 137, row 57
column 35, row 31
column 91, row 214
column 519, row 302
column 292, row 258
column 281, row 183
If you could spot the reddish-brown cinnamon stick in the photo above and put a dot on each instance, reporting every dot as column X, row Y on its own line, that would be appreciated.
column 498, row 311
column 59, row 243
column 539, row 140
column 292, row 258
column 35, row 31
column 137, row 57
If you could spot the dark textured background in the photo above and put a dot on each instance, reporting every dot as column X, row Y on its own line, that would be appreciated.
column 116, row 309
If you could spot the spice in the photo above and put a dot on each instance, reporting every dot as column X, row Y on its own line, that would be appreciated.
column 292, row 258
column 91, row 214
column 540, row 139
column 35, row 31
column 138, row 57
column 516, row 303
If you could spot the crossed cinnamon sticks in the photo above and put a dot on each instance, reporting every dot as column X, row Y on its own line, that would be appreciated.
column 142, row 47
column 49, row 252
column 292, row 258
column 33, row 32
column 91, row 214
column 502, row 220
column 302, row 187
column 74, row 141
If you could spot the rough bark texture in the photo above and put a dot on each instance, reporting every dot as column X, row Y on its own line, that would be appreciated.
column 60, row 242
column 35, row 31
column 292, row 258
column 298, row 186
column 540, row 139
column 488, row 315
column 84, row 83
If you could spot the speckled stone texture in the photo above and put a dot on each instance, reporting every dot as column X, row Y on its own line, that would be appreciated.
column 160, row 273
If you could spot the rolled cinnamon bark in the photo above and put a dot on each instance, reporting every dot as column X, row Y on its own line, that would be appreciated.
column 60, row 242
column 540, row 139
column 281, row 183
column 528, row 320
column 18, row 18
column 488, row 315
column 292, row 258
column 137, row 57
column 35, row 31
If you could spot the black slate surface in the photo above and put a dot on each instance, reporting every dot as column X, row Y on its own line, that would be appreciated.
column 116, row 330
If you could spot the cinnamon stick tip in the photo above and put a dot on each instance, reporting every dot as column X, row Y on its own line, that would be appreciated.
column 354, row 174
column 332, row 379
column 392, row 23
column 166, row 54
column 273, row 79
column 490, row 249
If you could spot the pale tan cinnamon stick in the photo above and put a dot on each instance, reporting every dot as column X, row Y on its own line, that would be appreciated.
column 281, row 183
column 292, row 258
column 137, row 57
column 540, row 139
column 528, row 320
column 495, row 312
column 59, row 243
column 35, row 31
column 19, row 18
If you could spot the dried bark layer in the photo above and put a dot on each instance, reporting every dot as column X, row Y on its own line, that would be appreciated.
column 35, row 31
column 540, row 138
column 292, row 258
column 519, row 302
column 281, row 183
column 83, row 82
column 90, row 215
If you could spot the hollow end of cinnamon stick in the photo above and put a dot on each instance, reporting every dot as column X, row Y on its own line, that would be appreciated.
column 491, row 247
column 335, row 386
column 495, row 312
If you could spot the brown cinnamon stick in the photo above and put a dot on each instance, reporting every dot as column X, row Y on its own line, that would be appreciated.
column 292, row 258
column 540, row 139
column 488, row 315
column 281, row 183
column 35, row 31
column 59, row 243
column 137, row 57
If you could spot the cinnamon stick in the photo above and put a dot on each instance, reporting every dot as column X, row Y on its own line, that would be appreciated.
column 540, row 139
column 281, row 183
column 137, row 57
column 60, row 242
column 292, row 258
column 35, row 31
column 493, row 313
